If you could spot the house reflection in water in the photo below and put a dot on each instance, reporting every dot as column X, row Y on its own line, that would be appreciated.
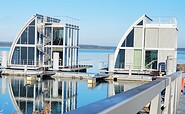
column 56, row 96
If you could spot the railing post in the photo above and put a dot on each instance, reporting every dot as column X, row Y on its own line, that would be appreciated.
column 175, row 95
column 167, row 97
column 172, row 100
column 155, row 107
column 179, row 88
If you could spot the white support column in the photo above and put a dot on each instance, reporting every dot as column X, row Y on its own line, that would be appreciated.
column 55, row 61
column 4, row 59
column 155, row 107
column 111, row 62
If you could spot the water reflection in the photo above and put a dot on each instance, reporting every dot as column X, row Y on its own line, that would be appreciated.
column 40, row 96
column 56, row 95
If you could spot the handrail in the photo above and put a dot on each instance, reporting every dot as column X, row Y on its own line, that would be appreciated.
column 151, row 62
column 132, row 101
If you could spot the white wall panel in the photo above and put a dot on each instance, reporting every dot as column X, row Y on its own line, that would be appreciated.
column 129, row 55
column 167, row 38
column 138, row 37
column 151, row 38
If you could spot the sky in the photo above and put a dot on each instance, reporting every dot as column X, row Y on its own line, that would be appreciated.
column 102, row 22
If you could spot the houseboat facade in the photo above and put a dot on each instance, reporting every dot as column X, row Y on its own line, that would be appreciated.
column 145, row 46
column 46, row 42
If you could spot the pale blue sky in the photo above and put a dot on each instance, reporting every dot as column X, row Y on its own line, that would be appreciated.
column 102, row 22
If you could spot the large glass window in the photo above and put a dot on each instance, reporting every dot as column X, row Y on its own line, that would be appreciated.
column 66, row 36
column 137, row 59
column 37, row 55
column 16, row 56
column 151, row 57
column 32, row 23
column 18, row 42
column 23, row 55
column 31, row 35
column 31, row 55
column 58, row 35
column 48, row 36
column 24, row 37
column 129, row 41
column 120, row 60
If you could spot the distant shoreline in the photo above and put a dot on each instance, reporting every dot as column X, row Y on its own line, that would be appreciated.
column 82, row 46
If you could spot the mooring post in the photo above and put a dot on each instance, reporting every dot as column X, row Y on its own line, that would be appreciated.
column 4, row 59
column 111, row 63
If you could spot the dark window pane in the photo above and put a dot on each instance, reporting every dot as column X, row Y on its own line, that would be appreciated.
column 48, row 36
column 151, row 59
column 60, row 58
column 129, row 41
column 32, row 23
column 123, row 44
column 31, row 35
column 140, row 23
column 120, row 60
column 31, row 55
column 58, row 36
column 23, row 55
column 37, row 60
column 16, row 56
column 18, row 42
column 24, row 37
column 66, row 36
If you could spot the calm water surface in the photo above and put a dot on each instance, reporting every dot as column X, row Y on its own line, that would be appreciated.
column 19, row 94
column 181, row 57
column 62, row 95
column 96, row 57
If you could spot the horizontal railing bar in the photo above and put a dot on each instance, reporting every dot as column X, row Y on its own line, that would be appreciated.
column 125, row 99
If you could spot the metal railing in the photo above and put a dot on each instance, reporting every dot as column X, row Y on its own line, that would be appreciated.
column 75, row 64
column 161, row 96
column 150, row 64
column 163, row 20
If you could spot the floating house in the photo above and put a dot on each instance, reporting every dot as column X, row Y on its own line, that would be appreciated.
column 46, row 43
column 145, row 46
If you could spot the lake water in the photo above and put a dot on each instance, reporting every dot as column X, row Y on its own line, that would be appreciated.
column 62, row 95
column 96, row 57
